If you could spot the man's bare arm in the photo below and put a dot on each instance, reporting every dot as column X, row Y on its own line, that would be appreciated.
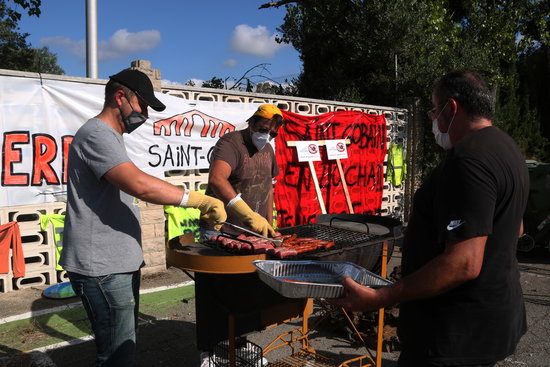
column 133, row 181
column 460, row 262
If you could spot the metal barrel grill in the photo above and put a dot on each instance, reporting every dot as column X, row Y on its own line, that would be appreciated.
column 227, row 287
column 358, row 238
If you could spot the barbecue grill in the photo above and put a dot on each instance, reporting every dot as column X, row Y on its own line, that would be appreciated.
column 226, row 286
column 358, row 238
column 230, row 298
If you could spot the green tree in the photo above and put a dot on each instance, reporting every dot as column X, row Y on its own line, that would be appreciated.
column 267, row 88
column 15, row 52
column 12, row 13
column 216, row 83
column 515, row 115
column 255, row 79
column 387, row 52
column 534, row 70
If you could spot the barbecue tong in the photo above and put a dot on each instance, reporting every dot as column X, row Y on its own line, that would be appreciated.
column 276, row 242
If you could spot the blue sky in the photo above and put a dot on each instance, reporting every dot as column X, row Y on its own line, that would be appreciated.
column 184, row 39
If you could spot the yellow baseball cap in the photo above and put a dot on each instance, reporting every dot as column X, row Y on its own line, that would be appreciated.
column 268, row 111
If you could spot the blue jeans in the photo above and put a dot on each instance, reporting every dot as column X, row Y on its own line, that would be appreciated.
column 112, row 303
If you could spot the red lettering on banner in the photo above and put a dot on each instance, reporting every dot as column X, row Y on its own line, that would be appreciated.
column 66, row 143
column 45, row 151
column 295, row 197
column 11, row 155
column 211, row 126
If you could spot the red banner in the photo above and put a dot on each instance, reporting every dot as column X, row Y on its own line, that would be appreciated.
column 295, row 194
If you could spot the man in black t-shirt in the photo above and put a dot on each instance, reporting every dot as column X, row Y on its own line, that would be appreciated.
column 460, row 295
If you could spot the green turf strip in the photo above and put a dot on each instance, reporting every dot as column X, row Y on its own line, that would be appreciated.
column 41, row 331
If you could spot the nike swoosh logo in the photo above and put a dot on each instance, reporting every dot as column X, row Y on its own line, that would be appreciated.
column 454, row 224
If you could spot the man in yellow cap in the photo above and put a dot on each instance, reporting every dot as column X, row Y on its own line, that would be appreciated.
column 241, row 174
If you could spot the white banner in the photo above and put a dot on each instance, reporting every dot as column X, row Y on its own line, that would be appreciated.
column 38, row 119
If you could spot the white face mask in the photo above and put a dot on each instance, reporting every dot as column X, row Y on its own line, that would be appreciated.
column 260, row 140
column 442, row 139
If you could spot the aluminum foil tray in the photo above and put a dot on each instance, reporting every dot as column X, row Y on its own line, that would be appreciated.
column 313, row 279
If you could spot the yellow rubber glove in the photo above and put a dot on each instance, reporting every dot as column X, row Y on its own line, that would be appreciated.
column 251, row 219
column 212, row 209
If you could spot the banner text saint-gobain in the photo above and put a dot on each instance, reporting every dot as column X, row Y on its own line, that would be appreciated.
column 181, row 156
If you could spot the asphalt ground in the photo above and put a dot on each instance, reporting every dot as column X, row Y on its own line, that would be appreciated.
column 35, row 331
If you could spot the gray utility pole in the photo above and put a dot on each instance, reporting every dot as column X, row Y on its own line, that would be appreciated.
column 91, row 39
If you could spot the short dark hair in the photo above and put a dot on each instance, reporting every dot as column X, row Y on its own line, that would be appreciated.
column 469, row 89
column 111, row 88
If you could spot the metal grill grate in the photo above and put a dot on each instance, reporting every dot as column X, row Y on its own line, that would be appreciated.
column 249, row 355
column 341, row 237
column 304, row 359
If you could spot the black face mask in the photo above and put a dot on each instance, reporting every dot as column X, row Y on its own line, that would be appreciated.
column 133, row 120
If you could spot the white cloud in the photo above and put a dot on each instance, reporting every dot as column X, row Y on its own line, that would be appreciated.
column 254, row 41
column 75, row 48
column 171, row 83
column 230, row 63
column 120, row 44
column 123, row 43
column 198, row 82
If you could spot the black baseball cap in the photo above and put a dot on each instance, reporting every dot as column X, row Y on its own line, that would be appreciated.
column 141, row 85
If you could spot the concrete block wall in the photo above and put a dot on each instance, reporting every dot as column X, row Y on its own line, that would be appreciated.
column 38, row 247
column 153, row 237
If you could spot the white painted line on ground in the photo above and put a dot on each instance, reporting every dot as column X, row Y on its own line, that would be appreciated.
column 67, row 343
column 28, row 315
column 84, row 339
column 37, row 313
column 158, row 289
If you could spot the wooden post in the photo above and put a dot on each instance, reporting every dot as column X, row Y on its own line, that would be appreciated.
column 344, row 185
column 317, row 187
column 315, row 181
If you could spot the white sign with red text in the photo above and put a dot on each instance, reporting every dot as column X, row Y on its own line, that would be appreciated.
column 38, row 119
column 308, row 151
column 336, row 149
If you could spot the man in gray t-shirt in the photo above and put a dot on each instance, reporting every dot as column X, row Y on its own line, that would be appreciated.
column 102, row 236
column 103, row 215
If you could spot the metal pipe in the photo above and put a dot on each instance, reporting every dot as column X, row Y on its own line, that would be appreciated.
column 91, row 39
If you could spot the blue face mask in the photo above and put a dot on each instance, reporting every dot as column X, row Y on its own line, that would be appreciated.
column 260, row 139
